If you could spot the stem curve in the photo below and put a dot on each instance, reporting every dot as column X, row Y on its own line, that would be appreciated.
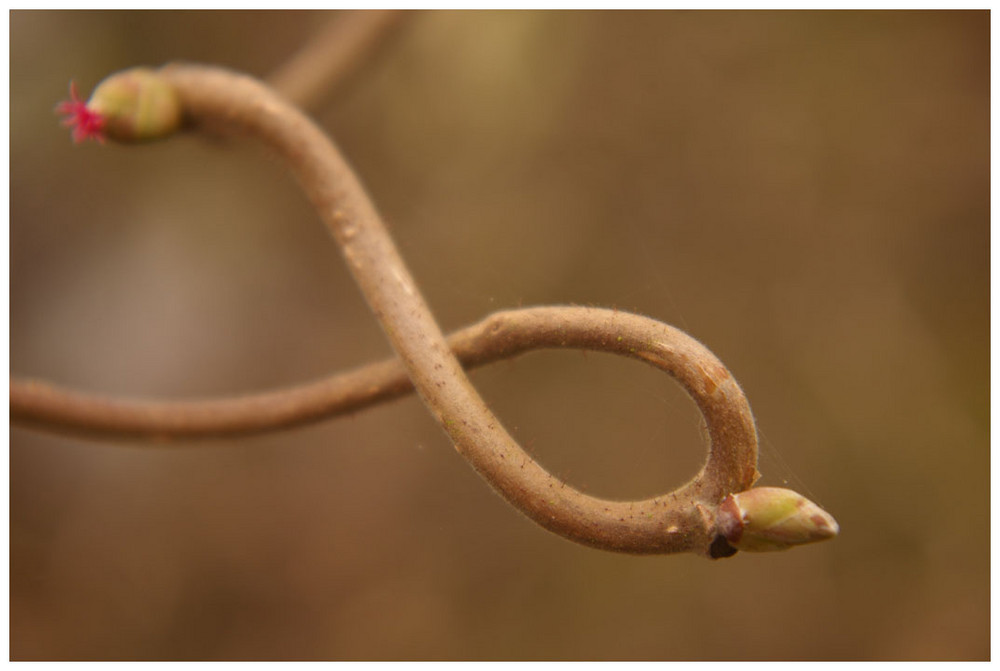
column 681, row 521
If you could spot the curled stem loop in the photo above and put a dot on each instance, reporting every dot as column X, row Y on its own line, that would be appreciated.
column 684, row 520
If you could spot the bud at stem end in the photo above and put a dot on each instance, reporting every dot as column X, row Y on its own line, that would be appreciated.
column 134, row 105
column 765, row 519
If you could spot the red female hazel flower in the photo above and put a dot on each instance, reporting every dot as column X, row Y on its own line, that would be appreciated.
column 85, row 122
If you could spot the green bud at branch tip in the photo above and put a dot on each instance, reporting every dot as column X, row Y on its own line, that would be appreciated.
column 134, row 105
column 765, row 519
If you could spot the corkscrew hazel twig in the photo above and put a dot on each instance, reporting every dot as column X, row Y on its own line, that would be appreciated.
column 713, row 515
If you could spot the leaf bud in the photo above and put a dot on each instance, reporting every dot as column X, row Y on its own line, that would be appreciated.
column 765, row 519
column 134, row 105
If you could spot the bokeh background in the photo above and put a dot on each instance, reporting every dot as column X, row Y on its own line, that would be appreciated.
column 807, row 193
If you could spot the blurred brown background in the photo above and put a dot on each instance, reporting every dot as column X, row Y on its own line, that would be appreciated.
column 806, row 193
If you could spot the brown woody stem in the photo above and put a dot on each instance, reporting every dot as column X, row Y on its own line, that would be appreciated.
column 683, row 520
column 337, row 50
column 502, row 335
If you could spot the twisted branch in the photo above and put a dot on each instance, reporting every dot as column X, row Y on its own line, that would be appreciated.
column 683, row 520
